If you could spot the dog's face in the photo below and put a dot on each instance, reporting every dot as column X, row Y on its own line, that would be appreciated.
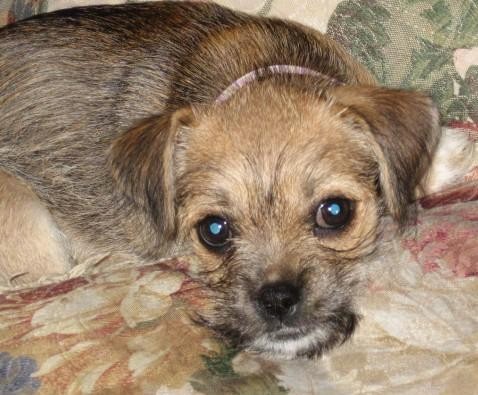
column 279, row 193
column 283, row 204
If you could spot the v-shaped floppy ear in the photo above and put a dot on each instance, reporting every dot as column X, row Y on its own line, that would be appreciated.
column 142, row 164
column 403, row 130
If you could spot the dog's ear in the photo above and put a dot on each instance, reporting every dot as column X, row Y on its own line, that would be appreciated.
column 403, row 128
column 142, row 165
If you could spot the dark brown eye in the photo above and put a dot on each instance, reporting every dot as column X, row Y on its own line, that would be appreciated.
column 333, row 213
column 214, row 232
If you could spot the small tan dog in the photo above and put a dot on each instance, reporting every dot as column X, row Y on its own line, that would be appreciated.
column 259, row 145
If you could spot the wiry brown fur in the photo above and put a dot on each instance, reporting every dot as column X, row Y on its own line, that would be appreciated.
column 108, row 115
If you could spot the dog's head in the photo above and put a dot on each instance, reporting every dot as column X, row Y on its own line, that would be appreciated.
column 279, row 191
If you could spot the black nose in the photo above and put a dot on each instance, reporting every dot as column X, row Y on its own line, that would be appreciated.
column 278, row 300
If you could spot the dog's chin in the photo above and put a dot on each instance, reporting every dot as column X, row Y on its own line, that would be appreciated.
column 285, row 342
column 291, row 344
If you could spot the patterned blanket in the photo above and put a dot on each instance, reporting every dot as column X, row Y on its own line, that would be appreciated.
column 128, row 330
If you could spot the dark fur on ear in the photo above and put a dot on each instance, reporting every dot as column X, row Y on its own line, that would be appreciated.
column 405, row 130
column 142, row 165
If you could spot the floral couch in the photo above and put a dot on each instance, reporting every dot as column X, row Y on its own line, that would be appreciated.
column 128, row 330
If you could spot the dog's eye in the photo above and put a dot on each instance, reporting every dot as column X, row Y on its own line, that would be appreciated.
column 214, row 232
column 333, row 213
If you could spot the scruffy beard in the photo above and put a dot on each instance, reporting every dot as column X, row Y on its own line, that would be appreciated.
column 307, row 343
column 242, row 328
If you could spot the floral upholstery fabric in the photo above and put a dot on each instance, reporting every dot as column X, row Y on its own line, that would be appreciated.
column 130, row 330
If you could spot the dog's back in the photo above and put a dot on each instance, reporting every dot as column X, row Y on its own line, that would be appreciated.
column 100, row 69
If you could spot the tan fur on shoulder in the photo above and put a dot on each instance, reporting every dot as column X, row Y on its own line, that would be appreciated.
column 31, row 244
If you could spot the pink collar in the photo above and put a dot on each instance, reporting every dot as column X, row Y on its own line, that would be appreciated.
column 275, row 69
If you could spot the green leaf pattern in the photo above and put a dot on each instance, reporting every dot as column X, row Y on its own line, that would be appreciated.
column 412, row 44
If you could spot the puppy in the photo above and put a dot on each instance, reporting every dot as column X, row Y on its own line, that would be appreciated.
column 144, row 130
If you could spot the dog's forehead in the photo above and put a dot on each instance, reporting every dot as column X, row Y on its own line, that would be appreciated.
column 271, row 115
column 276, row 148
column 272, row 133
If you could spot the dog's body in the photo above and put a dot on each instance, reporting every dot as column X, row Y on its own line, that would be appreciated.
column 97, row 127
